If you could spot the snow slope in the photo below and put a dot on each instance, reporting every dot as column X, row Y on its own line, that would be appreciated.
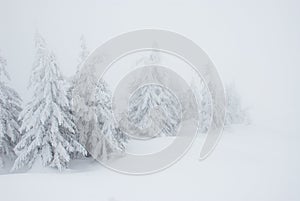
column 250, row 163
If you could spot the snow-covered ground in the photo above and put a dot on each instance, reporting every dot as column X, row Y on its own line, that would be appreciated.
column 250, row 163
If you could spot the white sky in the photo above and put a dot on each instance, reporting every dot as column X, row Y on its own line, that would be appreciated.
column 256, row 44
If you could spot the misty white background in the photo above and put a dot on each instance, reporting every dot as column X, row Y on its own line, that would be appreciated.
column 255, row 44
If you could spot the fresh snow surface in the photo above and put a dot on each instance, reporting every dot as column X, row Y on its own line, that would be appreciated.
column 249, row 163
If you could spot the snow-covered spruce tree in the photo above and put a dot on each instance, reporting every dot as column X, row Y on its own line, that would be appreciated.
column 91, row 101
column 153, row 99
column 150, row 98
column 235, row 113
column 153, row 58
column 82, row 98
column 106, row 138
column 84, row 104
column 10, row 108
column 47, row 125
column 205, row 105
column 81, row 58
column 75, row 84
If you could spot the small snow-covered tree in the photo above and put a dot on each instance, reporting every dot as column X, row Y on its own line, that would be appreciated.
column 78, row 82
column 47, row 125
column 153, row 105
column 91, row 100
column 83, row 102
column 235, row 113
column 155, row 98
column 106, row 139
column 10, row 108
column 203, row 98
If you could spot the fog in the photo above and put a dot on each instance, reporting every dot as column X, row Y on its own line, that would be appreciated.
column 255, row 44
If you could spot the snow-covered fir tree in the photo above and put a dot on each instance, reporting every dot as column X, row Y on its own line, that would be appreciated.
column 106, row 138
column 84, row 104
column 75, row 82
column 91, row 100
column 204, row 105
column 235, row 113
column 47, row 125
column 83, row 101
column 154, row 105
column 10, row 108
